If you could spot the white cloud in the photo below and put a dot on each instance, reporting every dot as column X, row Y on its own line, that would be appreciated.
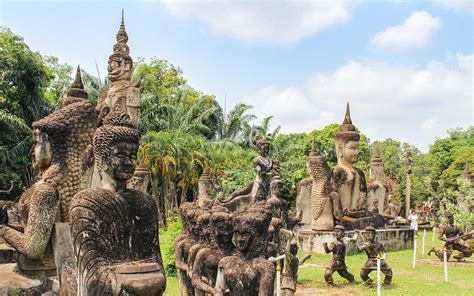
column 282, row 21
column 460, row 6
column 415, row 32
column 403, row 102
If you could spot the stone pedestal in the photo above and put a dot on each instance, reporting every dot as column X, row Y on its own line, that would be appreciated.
column 12, row 283
column 392, row 239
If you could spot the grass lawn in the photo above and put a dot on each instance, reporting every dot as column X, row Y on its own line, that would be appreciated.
column 425, row 279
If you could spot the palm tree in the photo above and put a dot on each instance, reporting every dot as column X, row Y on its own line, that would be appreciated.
column 236, row 127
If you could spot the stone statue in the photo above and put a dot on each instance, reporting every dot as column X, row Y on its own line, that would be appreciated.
column 115, row 229
column 378, row 191
column 189, row 213
column 120, row 68
column 325, row 204
column 338, row 250
column 452, row 236
column 247, row 272
column 373, row 250
column 259, row 189
column 303, row 202
column 59, row 141
column 292, row 263
column 279, row 210
column 207, row 259
column 140, row 179
column 349, row 181
column 205, row 185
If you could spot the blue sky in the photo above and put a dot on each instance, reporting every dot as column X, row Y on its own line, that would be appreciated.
column 405, row 66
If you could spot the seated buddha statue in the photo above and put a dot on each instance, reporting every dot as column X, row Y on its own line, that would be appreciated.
column 115, row 229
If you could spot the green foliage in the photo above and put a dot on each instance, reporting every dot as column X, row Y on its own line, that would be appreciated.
column 458, row 202
column 167, row 237
column 61, row 81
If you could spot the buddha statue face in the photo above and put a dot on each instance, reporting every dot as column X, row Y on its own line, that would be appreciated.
column 223, row 231
column 377, row 171
column 122, row 162
column 348, row 151
column 41, row 152
column 120, row 68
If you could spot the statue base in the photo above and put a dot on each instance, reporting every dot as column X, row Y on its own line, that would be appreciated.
column 393, row 239
column 13, row 283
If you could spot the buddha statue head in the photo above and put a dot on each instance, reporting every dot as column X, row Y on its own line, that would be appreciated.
column 120, row 65
column 115, row 149
column 41, row 151
column 347, row 141
column 376, row 166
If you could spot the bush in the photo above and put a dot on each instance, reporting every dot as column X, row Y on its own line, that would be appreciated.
column 167, row 237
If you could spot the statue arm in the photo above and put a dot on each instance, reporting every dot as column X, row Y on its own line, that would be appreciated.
column 328, row 249
column 336, row 204
column 178, row 255
column 42, row 214
column 267, row 277
column 196, row 280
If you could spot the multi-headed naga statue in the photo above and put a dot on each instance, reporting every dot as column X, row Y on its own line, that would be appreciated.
column 59, row 141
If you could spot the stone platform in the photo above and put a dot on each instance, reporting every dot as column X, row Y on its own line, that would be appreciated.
column 393, row 239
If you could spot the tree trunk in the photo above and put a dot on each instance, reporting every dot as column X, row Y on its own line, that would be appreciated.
column 408, row 197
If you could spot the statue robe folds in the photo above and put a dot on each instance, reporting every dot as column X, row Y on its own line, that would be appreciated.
column 111, row 230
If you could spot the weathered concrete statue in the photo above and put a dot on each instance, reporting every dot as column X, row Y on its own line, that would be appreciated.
column 205, row 185
column 338, row 250
column 120, row 68
column 292, row 263
column 248, row 273
column 349, row 181
column 279, row 210
column 378, row 190
column 183, row 242
column 259, row 189
column 373, row 250
column 325, row 203
column 115, row 229
column 452, row 237
column 207, row 259
column 59, row 141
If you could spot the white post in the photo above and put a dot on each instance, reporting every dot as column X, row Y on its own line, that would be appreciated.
column 434, row 231
column 445, row 267
column 414, row 254
column 378, row 276
column 423, row 244
column 278, row 288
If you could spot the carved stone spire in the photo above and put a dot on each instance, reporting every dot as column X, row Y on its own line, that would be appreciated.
column 376, row 155
column 120, row 63
column 347, row 130
column 77, row 87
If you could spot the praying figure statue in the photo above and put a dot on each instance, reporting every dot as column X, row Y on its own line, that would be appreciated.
column 349, row 181
column 248, row 272
column 59, row 141
column 115, row 229
column 452, row 237
column 374, row 251
column 338, row 250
